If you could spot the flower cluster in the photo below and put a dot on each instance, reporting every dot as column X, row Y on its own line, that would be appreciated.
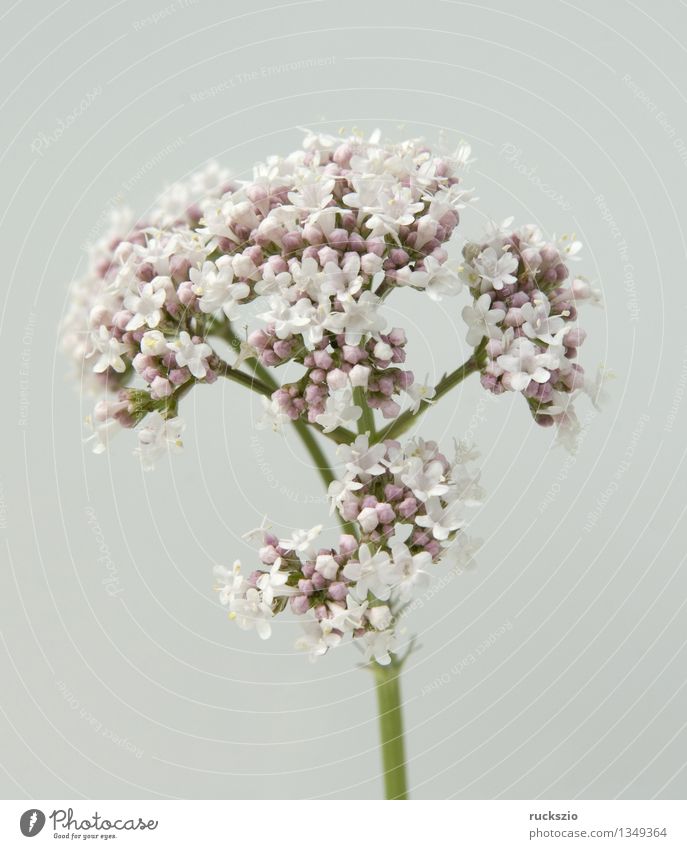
column 321, row 236
column 407, row 505
column 524, row 314
column 304, row 256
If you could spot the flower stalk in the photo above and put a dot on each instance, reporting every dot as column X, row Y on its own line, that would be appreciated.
column 389, row 706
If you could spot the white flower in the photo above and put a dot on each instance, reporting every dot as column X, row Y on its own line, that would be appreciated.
column 358, row 318
column 339, row 491
column 582, row 290
column 348, row 618
column 337, row 280
column 327, row 566
column 397, row 208
column 596, row 387
column 257, row 533
column 313, row 193
column 379, row 645
column 271, row 283
column 368, row 573
column 368, row 187
column 146, row 306
column 379, row 617
column 110, row 350
column 367, row 519
column 496, row 270
column 461, row 552
column 153, row 343
column 418, row 393
column 523, row 362
column 339, row 410
column 409, row 570
column 288, row 319
column 273, row 416
column 538, row 324
column 496, row 232
column 191, row 354
column 156, row 437
column 306, row 276
column 482, row 320
column 273, row 583
column 436, row 278
column 232, row 584
column 359, row 376
column 253, row 611
column 383, row 351
column 569, row 247
column 425, row 479
column 302, row 540
column 102, row 433
column 442, row 521
column 361, row 458
column 213, row 285
column 316, row 640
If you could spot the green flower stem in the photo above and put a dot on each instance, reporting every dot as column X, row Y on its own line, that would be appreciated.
column 391, row 730
column 447, row 382
column 366, row 422
column 263, row 382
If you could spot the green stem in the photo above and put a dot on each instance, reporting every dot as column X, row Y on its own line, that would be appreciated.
column 391, row 730
column 447, row 382
column 321, row 464
column 263, row 382
column 366, row 422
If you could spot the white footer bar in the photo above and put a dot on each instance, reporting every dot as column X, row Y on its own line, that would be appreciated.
column 507, row 824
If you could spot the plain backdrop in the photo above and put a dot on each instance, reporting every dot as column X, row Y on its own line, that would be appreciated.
column 555, row 668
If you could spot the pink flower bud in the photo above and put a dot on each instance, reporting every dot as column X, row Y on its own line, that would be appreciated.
column 338, row 591
column 347, row 544
column 390, row 409
column 318, row 581
column 385, row 513
column 322, row 359
column 337, row 379
column 179, row 267
column 407, row 507
column 160, row 387
column 367, row 518
column 300, row 604
column 392, row 492
column 338, row 238
column 179, row 375
column 268, row 554
column 313, row 234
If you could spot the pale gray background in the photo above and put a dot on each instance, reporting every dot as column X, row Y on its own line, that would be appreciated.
column 151, row 692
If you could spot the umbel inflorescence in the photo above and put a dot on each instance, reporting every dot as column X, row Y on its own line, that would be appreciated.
column 307, row 252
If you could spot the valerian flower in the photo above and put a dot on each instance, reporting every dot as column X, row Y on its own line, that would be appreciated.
column 296, row 265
